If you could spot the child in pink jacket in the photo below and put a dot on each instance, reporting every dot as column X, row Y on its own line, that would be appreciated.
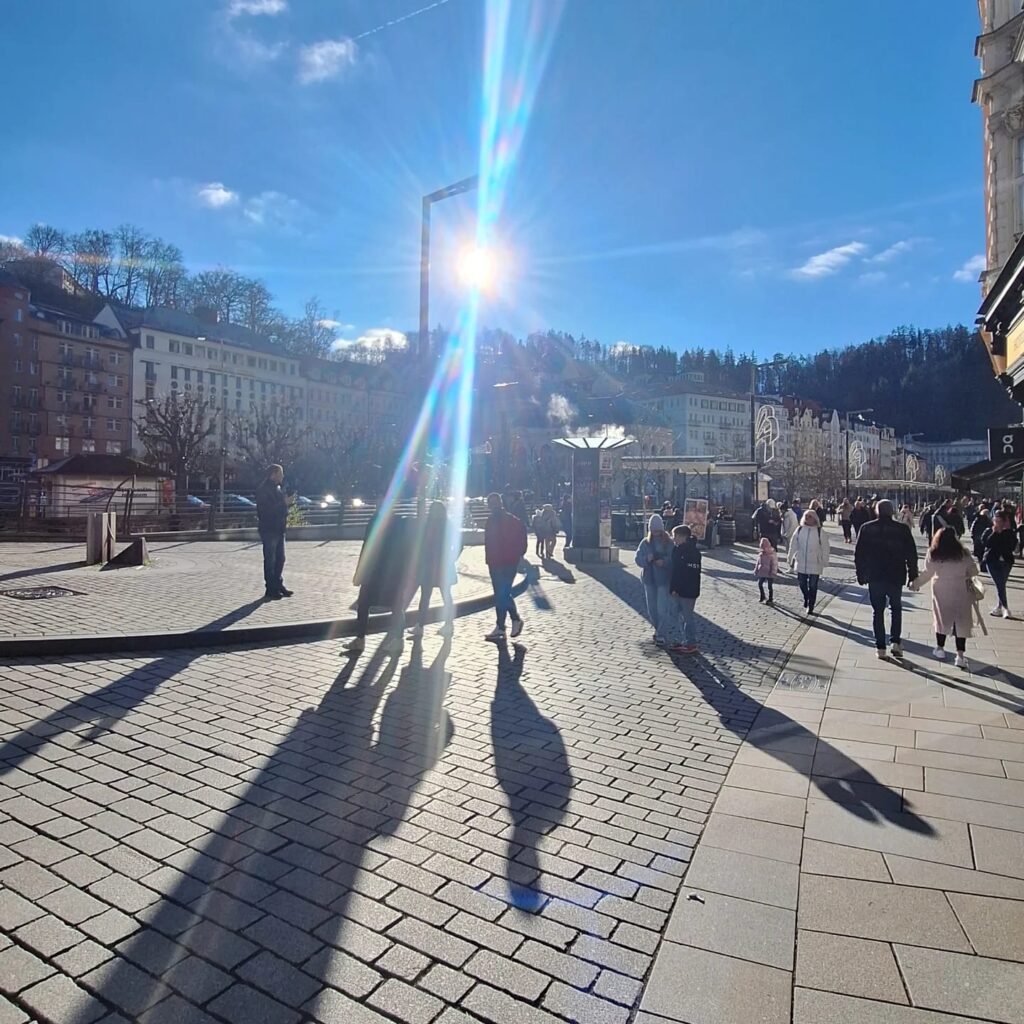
column 766, row 568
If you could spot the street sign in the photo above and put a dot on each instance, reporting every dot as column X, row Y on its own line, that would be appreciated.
column 1005, row 443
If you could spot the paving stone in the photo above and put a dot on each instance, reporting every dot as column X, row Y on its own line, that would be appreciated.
column 333, row 1007
column 446, row 984
column 59, row 999
column 174, row 1010
column 242, row 1003
column 856, row 967
column 109, row 927
column 197, row 980
column 971, row 985
column 763, row 839
column 278, row 977
column 994, row 926
column 744, row 876
column 405, row 1002
column 739, row 928
column 745, row 803
column 48, row 936
column 217, row 944
column 999, row 850
column 843, row 861
column 30, row 880
column 576, row 1005
column 697, row 985
column 119, row 982
column 11, row 1014
column 15, row 910
column 873, row 910
column 343, row 972
column 507, row 975
column 812, row 1007
column 19, row 968
column 905, row 871
column 81, row 959
column 403, row 963
column 499, row 1008
column 618, row 988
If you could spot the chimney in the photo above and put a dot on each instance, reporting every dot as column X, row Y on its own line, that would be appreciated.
column 207, row 315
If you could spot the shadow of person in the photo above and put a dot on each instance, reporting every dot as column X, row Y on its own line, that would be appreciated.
column 101, row 709
column 280, row 882
column 837, row 776
column 558, row 569
column 532, row 767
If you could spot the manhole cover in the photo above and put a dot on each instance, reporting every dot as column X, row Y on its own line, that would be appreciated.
column 39, row 593
column 802, row 681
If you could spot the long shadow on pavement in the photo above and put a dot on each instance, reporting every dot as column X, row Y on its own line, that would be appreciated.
column 44, row 570
column 105, row 707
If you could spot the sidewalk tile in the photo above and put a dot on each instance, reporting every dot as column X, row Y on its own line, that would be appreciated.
column 745, row 803
column 812, row 1007
column 764, row 839
column 876, row 910
column 966, row 809
column 785, row 783
column 925, row 874
column 843, row 861
column 999, row 850
column 855, row 967
column 744, row 876
column 971, row 985
column 695, row 985
column 735, row 927
column 994, row 926
column 974, row 787
column 829, row 761
column 955, row 762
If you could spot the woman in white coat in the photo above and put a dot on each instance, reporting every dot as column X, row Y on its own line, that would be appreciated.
column 809, row 551
column 949, row 567
column 790, row 524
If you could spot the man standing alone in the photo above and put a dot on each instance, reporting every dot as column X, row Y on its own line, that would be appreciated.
column 272, row 515
column 886, row 560
column 505, row 543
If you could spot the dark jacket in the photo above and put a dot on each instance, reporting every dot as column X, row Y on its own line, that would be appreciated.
column 505, row 540
column 271, row 507
column 981, row 525
column 685, row 570
column 952, row 519
column 386, row 567
column 998, row 548
column 860, row 516
column 885, row 553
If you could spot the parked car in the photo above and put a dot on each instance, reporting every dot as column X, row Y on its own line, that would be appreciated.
column 195, row 503
column 238, row 503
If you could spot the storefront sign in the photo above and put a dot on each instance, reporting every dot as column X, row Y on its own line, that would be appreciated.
column 1005, row 443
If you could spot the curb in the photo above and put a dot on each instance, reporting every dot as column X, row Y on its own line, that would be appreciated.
column 309, row 631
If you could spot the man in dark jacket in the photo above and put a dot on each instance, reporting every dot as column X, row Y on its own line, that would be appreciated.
column 272, row 516
column 860, row 515
column 949, row 516
column 886, row 560
column 684, row 586
column 505, row 543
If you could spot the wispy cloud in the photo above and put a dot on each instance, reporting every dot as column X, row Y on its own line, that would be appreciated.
column 335, row 325
column 372, row 341
column 894, row 250
column 969, row 272
column 831, row 262
column 873, row 277
column 216, row 195
column 327, row 59
column 10, row 240
column 272, row 209
column 256, row 7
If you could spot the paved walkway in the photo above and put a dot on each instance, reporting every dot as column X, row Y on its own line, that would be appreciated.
column 457, row 835
column 866, row 853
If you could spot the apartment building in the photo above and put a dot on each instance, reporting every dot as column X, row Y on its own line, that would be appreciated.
column 705, row 422
column 66, row 380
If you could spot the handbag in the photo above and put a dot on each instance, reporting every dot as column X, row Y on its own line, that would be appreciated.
column 975, row 589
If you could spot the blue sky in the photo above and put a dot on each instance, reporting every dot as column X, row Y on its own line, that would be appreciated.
column 768, row 174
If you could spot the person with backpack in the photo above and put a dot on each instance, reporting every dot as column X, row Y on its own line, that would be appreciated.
column 951, row 571
column 654, row 557
column 809, row 552
column 505, row 543
column 684, row 586
column 997, row 557
column 886, row 559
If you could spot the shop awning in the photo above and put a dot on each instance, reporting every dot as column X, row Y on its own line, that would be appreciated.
column 987, row 471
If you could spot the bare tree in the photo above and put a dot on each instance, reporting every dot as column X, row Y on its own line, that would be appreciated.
column 310, row 334
column 11, row 249
column 174, row 430
column 256, row 309
column 221, row 289
column 164, row 277
column 46, row 242
column 132, row 245
column 92, row 260
column 269, row 433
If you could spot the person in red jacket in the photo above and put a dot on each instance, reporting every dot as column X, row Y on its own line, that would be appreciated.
column 505, row 543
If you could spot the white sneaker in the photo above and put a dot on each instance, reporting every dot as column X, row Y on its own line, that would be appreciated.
column 997, row 611
column 517, row 628
column 960, row 661
column 939, row 653
column 496, row 636
column 355, row 646
column 896, row 650
column 393, row 645
column 880, row 653
column 1004, row 612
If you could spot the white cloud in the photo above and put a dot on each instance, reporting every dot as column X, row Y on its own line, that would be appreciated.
column 256, row 7
column 827, row 263
column 327, row 59
column 10, row 240
column 873, row 277
column 969, row 272
column 376, row 339
column 894, row 250
column 272, row 209
column 335, row 325
column 216, row 195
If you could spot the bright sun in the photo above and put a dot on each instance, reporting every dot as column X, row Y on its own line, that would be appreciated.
column 476, row 267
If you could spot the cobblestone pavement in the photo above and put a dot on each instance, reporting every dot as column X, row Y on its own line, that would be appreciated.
column 457, row 834
column 189, row 585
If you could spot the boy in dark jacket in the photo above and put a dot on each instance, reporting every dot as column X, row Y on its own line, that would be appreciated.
column 684, row 586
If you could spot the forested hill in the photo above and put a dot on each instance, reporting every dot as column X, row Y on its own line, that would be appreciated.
column 937, row 382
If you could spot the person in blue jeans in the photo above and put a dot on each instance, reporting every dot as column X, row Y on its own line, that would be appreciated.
column 654, row 556
column 997, row 547
column 505, row 543
column 886, row 560
column 272, row 519
column 684, row 587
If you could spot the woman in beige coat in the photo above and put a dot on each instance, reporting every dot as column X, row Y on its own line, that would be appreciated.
column 949, row 567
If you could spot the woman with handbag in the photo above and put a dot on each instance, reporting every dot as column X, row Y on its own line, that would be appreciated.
column 997, row 546
column 955, row 592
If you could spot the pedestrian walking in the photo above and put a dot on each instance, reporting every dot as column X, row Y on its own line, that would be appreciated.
column 272, row 520
column 654, row 557
column 809, row 552
column 981, row 525
column 545, row 526
column 505, row 543
column 386, row 576
column 906, row 517
column 952, row 573
column 439, row 548
column 949, row 516
column 860, row 515
column 766, row 569
column 886, row 560
column 926, row 525
column 566, row 518
column 997, row 547
column 790, row 524
column 845, row 511
column 684, row 587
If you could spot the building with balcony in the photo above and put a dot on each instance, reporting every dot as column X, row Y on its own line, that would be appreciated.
column 65, row 382
column 705, row 422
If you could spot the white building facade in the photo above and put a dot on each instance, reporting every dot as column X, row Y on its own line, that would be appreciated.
column 705, row 423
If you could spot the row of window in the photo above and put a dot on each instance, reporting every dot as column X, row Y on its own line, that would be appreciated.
column 189, row 348
column 92, row 355
column 63, row 422
column 63, row 445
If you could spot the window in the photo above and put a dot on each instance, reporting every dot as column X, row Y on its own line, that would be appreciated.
column 15, row 445
column 113, row 447
column 150, row 391
column 92, row 356
column 150, row 341
column 262, row 364
column 16, row 394
column 33, row 367
column 115, row 381
column 174, row 373
column 17, row 315
column 63, row 397
column 62, row 421
column 17, row 340
column 88, row 423
column 114, row 426
column 115, row 358
column 115, row 402
column 62, row 444
column 273, row 365
column 88, row 445
column 173, row 345
column 89, row 401
column 186, row 347
column 200, row 352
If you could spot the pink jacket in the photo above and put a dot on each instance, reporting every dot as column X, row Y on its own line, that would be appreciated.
column 767, row 564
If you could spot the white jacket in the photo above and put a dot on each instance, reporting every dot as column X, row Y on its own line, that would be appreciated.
column 809, row 550
column 790, row 523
